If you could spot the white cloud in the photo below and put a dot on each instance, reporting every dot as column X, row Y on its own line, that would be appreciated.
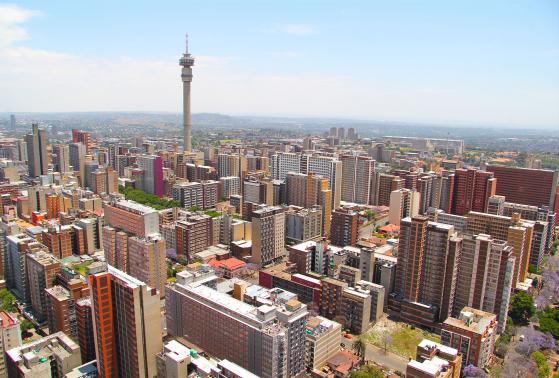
column 11, row 16
column 298, row 29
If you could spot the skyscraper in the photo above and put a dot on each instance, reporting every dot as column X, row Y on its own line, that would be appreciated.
column 357, row 173
column 186, row 61
column 472, row 189
column 127, row 324
column 61, row 158
column 37, row 151
column 427, row 269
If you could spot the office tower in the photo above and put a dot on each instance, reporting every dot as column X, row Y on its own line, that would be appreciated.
column 12, row 121
column 21, row 150
column 303, row 225
column 351, row 134
column 329, row 168
column 403, row 203
column 83, row 137
column 428, row 258
column 37, row 151
column 152, row 167
column 41, row 272
column 147, row 261
column 86, row 338
column 284, row 162
column 472, row 333
column 434, row 360
column 269, row 340
column 357, row 174
column 485, row 278
column 132, row 217
column 186, row 62
column 50, row 356
column 127, row 324
column 344, row 227
column 10, row 337
column 383, row 185
column 231, row 185
column 61, row 158
column 193, row 235
column 77, row 159
column 472, row 189
column 534, row 187
column 268, row 234
column 517, row 234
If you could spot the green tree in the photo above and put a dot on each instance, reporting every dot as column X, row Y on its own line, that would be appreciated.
column 7, row 301
column 541, row 363
column 367, row 371
column 25, row 326
column 359, row 346
column 522, row 308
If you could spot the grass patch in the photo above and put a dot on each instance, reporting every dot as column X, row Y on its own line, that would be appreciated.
column 82, row 267
column 404, row 339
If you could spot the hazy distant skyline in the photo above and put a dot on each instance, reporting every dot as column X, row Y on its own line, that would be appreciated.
column 473, row 62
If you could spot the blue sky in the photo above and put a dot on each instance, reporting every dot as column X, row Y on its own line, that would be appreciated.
column 457, row 62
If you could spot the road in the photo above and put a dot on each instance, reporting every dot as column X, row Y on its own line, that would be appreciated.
column 375, row 354
column 388, row 359
column 365, row 232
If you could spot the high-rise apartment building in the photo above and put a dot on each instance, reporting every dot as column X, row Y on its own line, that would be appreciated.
column 268, row 234
column 147, row 261
column 303, row 225
column 193, row 235
column 329, row 168
column 382, row 186
column 132, row 217
column 230, row 185
column 10, row 337
column 152, row 167
column 485, row 279
column 472, row 334
column 434, row 360
column 428, row 257
column 127, row 324
column 83, row 137
column 344, row 227
column 269, row 340
column 283, row 163
column 322, row 341
column 527, row 186
column 42, row 268
column 472, row 189
column 86, row 338
column 307, row 190
column 357, row 174
column 37, row 151
column 403, row 203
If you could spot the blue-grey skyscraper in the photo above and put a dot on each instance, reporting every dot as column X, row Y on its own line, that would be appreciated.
column 37, row 151
column 187, row 61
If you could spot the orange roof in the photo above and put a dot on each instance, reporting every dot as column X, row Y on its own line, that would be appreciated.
column 229, row 264
column 390, row 228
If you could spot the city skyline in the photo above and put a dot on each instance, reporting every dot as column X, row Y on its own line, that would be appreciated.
column 476, row 64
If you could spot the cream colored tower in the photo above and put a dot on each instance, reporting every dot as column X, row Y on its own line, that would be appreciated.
column 187, row 61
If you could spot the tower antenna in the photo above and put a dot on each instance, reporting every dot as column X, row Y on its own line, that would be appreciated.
column 186, row 35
